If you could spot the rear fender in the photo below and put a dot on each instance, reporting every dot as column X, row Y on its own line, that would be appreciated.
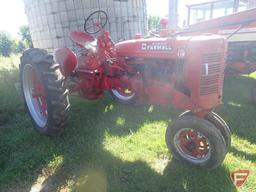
column 66, row 59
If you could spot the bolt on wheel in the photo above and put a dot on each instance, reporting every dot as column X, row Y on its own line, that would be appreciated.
column 219, row 123
column 192, row 145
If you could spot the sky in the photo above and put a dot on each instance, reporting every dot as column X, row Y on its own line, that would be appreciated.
column 12, row 13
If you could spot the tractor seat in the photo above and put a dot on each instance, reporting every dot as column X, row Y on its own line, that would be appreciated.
column 80, row 37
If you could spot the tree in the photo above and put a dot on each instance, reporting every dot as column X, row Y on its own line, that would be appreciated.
column 6, row 44
column 153, row 23
column 19, row 46
column 25, row 35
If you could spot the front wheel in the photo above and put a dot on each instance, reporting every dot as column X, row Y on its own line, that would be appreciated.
column 219, row 123
column 196, row 141
column 44, row 93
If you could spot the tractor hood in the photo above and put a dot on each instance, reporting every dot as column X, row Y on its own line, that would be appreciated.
column 147, row 48
column 165, row 48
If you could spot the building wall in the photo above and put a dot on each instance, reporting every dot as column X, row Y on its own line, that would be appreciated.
column 51, row 20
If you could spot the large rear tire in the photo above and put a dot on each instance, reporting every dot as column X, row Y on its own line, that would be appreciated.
column 44, row 92
column 196, row 141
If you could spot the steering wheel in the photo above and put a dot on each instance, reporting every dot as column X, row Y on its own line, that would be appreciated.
column 95, row 22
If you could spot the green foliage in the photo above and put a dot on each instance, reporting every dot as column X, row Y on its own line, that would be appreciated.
column 19, row 46
column 9, row 75
column 153, row 23
column 25, row 36
column 6, row 44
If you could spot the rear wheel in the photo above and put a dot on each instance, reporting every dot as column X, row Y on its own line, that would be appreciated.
column 44, row 93
column 196, row 141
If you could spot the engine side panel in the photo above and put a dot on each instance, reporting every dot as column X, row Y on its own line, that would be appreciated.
column 193, row 82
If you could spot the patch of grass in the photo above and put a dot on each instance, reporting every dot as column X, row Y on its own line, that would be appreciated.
column 111, row 147
column 10, row 101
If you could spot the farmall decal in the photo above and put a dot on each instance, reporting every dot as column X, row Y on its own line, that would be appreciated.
column 156, row 46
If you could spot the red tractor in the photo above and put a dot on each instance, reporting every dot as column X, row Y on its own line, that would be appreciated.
column 186, row 72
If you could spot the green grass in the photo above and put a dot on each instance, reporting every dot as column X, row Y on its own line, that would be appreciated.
column 117, row 148
column 9, row 99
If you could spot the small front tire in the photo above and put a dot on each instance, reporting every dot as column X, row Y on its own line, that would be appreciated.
column 196, row 141
column 219, row 123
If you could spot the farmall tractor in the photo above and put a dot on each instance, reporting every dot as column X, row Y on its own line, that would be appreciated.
column 186, row 72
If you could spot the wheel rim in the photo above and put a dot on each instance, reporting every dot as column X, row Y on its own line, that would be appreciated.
column 34, row 94
column 123, row 93
column 192, row 145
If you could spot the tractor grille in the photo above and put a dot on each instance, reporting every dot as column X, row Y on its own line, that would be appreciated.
column 210, row 73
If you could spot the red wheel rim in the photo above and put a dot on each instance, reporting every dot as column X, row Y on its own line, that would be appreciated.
column 35, row 96
column 38, row 93
column 192, row 145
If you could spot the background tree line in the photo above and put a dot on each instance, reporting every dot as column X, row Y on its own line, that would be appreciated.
column 9, row 45
column 153, row 23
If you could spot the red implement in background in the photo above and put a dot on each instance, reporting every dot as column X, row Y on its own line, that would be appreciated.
column 233, row 19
